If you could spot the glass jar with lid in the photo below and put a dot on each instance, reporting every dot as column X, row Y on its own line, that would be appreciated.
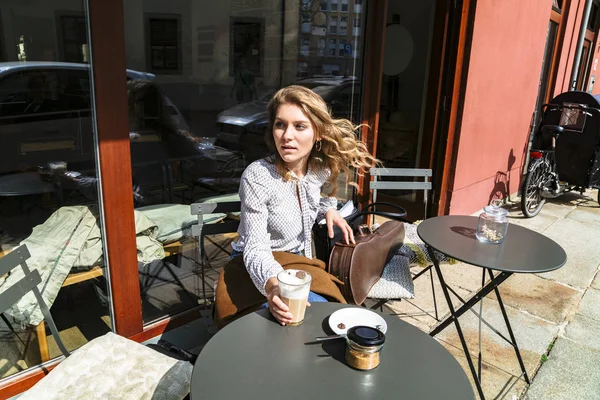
column 492, row 224
column 363, row 347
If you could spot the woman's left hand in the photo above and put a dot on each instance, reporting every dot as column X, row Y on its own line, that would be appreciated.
column 333, row 218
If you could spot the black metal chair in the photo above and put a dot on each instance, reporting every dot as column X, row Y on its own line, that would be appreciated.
column 202, row 230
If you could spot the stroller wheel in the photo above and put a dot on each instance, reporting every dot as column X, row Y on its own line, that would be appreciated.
column 531, row 193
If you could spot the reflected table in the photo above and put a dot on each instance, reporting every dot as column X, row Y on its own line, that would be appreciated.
column 523, row 251
column 256, row 358
column 23, row 184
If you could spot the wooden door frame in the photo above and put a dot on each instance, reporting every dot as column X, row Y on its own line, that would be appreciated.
column 561, row 19
column 448, row 120
column 107, row 44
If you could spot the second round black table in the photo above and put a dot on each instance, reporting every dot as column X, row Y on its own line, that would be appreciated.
column 256, row 358
column 523, row 251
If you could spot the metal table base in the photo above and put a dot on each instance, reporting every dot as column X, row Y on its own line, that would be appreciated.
column 492, row 285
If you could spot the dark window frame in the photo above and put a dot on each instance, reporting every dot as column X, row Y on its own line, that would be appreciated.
column 149, row 19
column 234, row 56
column 3, row 55
column 557, row 5
column 62, row 40
column 592, row 22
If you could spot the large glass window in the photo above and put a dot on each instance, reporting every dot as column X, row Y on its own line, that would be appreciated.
column 194, row 130
column 48, row 183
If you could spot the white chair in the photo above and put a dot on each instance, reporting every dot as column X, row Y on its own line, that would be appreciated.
column 423, row 185
column 108, row 367
column 396, row 282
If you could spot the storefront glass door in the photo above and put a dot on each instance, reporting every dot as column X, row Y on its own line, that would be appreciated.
column 403, row 109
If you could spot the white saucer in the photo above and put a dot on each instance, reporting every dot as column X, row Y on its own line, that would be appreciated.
column 353, row 316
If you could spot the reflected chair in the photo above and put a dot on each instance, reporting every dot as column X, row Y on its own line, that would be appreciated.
column 225, row 178
column 109, row 366
column 396, row 281
column 29, row 283
column 203, row 229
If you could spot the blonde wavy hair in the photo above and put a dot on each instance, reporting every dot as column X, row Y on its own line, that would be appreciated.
column 340, row 148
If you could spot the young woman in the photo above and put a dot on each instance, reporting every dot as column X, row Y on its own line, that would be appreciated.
column 281, row 195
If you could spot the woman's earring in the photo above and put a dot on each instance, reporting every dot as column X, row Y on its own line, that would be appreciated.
column 318, row 145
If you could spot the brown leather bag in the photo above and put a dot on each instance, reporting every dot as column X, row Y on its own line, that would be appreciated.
column 359, row 266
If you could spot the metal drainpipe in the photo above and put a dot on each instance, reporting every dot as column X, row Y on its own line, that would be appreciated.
column 584, row 21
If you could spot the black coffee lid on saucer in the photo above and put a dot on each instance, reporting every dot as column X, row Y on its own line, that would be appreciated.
column 365, row 336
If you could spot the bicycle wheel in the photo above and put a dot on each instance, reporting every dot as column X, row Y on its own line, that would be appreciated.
column 531, row 193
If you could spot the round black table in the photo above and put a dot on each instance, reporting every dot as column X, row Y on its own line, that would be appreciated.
column 23, row 184
column 523, row 251
column 256, row 358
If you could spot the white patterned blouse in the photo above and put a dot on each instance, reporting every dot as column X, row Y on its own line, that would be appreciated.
column 277, row 215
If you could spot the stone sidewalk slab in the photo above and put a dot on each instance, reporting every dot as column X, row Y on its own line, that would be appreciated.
column 587, row 215
column 585, row 331
column 541, row 297
column 539, row 224
column 532, row 335
column 571, row 372
column 495, row 382
column 588, row 199
column 590, row 304
column 596, row 281
column 420, row 311
column 583, row 252
column 556, row 209
column 462, row 275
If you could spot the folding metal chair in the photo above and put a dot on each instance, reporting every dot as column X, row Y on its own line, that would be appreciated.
column 202, row 229
column 415, row 179
column 25, row 285
column 424, row 185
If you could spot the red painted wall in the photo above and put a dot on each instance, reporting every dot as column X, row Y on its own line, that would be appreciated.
column 504, row 71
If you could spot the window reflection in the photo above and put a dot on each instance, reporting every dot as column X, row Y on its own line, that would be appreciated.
column 195, row 130
column 48, row 184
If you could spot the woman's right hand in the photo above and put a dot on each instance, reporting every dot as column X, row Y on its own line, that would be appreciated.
column 278, row 308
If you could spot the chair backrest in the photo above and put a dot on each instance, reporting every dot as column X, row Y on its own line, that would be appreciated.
column 203, row 229
column 408, row 184
column 28, row 283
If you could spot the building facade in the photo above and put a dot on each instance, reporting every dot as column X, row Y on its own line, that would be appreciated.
column 116, row 115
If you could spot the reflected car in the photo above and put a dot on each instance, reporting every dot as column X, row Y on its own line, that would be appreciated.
column 45, row 113
column 46, row 117
column 242, row 127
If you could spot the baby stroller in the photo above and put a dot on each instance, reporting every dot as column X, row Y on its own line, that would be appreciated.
column 565, row 152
